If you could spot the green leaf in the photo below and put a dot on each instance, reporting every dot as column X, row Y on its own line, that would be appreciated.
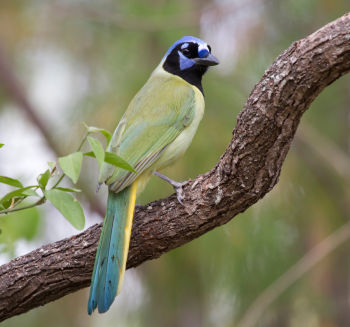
column 30, row 192
column 68, row 206
column 92, row 129
column 71, row 165
column 1, row 145
column 43, row 179
column 97, row 149
column 114, row 160
column 66, row 189
column 10, row 181
column 6, row 200
column 118, row 161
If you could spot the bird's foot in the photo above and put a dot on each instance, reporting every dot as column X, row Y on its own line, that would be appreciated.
column 179, row 191
column 176, row 185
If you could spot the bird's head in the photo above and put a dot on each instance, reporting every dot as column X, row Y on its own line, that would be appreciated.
column 189, row 58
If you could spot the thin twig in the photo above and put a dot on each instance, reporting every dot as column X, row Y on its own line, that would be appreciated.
column 32, row 205
column 13, row 207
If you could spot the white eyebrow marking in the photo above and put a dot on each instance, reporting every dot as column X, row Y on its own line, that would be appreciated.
column 185, row 45
column 202, row 46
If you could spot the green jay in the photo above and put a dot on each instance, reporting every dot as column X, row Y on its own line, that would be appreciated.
column 156, row 129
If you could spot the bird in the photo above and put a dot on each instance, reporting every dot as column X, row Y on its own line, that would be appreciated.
column 155, row 130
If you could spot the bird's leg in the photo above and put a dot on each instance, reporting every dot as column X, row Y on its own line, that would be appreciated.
column 177, row 186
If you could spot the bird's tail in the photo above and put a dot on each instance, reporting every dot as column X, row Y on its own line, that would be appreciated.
column 112, row 251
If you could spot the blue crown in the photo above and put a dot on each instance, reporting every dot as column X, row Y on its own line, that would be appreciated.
column 185, row 39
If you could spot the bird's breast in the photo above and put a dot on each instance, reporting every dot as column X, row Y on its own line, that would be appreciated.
column 178, row 147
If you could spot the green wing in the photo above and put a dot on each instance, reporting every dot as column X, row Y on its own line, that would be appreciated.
column 159, row 112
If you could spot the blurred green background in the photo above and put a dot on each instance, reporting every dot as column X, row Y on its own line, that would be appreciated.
column 83, row 60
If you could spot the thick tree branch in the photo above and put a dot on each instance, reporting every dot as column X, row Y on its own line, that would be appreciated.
column 248, row 169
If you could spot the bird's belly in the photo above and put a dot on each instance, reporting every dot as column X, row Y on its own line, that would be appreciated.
column 178, row 147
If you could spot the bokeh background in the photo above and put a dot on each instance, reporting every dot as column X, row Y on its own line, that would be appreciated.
column 82, row 61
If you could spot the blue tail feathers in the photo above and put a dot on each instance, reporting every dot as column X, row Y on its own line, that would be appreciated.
column 109, row 267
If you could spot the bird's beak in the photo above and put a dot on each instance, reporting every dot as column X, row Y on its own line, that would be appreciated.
column 207, row 61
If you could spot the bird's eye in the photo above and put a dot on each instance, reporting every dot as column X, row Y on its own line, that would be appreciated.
column 209, row 47
column 186, row 51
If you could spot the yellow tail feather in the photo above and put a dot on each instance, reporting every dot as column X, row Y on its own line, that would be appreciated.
column 127, row 235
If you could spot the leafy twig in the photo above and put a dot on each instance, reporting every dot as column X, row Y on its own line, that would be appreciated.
column 58, row 196
column 37, row 203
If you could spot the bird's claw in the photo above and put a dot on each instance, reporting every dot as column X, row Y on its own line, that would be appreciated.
column 179, row 191
column 176, row 185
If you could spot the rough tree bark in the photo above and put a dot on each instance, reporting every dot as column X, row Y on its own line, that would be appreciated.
column 248, row 169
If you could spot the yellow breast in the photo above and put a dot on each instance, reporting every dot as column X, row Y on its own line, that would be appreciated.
column 178, row 147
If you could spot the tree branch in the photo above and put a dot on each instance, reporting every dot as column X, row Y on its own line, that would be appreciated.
column 248, row 169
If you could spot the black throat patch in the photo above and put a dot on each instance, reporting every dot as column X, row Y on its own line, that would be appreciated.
column 192, row 75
